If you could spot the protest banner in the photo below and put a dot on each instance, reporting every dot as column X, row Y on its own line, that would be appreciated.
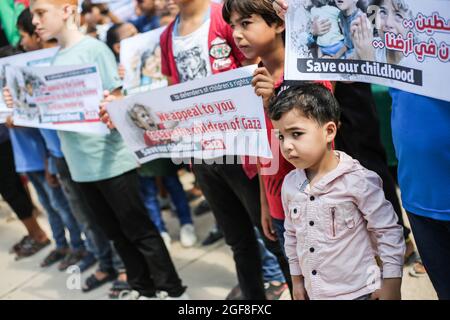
column 33, row 58
column 204, row 119
column 403, row 44
column 141, row 57
column 63, row 98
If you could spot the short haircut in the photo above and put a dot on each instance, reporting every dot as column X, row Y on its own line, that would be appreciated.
column 24, row 22
column 320, row 3
column 112, row 36
column 61, row 2
column 245, row 8
column 8, row 51
column 313, row 100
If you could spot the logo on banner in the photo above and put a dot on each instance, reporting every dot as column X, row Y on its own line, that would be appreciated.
column 220, row 51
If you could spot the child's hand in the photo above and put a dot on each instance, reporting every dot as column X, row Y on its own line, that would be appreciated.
column 104, row 116
column 362, row 37
column 9, row 123
column 7, row 97
column 267, row 226
column 121, row 71
column 52, row 179
column 298, row 288
column 263, row 84
column 390, row 290
column 320, row 27
column 280, row 7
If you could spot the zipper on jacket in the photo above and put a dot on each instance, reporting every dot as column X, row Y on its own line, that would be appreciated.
column 333, row 213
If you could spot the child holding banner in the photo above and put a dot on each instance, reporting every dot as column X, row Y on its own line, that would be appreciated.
column 186, row 56
column 251, row 19
column 231, row 189
column 337, row 218
column 104, row 168
column 359, row 136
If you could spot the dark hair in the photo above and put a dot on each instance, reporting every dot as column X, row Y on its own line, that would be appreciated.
column 246, row 8
column 24, row 22
column 112, row 36
column 320, row 3
column 8, row 51
column 313, row 100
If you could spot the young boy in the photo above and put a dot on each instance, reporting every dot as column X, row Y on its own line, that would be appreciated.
column 98, row 245
column 359, row 136
column 337, row 218
column 222, row 184
column 259, row 33
column 104, row 168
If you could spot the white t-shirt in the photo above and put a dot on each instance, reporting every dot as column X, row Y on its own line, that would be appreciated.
column 191, row 53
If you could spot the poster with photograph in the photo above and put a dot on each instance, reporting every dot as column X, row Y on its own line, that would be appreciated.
column 141, row 57
column 63, row 98
column 33, row 58
column 403, row 44
column 203, row 119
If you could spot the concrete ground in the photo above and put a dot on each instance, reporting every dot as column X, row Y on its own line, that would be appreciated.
column 207, row 271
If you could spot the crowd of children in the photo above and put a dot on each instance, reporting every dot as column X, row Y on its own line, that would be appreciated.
column 326, row 224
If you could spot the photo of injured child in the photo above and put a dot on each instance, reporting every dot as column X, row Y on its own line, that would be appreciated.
column 144, row 119
column 24, row 87
column 323, row 27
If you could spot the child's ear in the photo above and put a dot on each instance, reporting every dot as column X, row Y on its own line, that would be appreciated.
column 281, row 27
column 330, row 129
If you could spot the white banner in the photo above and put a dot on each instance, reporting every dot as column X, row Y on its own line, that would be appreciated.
column 33, row 58
column 204, row 119
column 63, row 98
column 141, row 57
column 403, row 44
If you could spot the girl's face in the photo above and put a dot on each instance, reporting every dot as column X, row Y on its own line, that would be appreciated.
column 50, row 19
column 344, row 5
column 391, row 18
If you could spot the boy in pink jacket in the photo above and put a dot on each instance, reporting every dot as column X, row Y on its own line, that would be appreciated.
column 337, row 217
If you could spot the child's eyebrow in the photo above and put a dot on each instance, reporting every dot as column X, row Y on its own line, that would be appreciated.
column 294, row 128
column 243, row 18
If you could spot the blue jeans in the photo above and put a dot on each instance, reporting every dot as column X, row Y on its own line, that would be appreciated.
column 149, row 192
column 96, row 240
column 279, row 230
column 270, row 266
column 58, row 211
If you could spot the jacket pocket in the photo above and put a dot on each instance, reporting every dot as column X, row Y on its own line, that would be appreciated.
column 339, row 219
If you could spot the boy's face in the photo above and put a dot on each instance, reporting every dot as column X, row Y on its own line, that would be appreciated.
column 48, row 18
column 346, row 4
column 253, row 36
column 391, row 19
column 303, row 141
column 29, row 43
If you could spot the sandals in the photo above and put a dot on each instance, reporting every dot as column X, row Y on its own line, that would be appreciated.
column 53, row 257
column 30, row 247
column 16, row 248
column 117, row 288
column 92, row 282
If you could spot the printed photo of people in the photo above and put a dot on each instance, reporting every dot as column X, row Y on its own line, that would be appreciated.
column 144, row 119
